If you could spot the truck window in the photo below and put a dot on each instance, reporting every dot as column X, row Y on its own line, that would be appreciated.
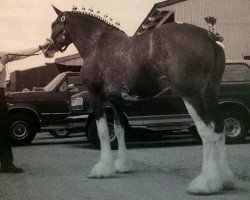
column 77, row 82
column 237, row 72
column 54, row 82
column 63, row 87
column 71, row 80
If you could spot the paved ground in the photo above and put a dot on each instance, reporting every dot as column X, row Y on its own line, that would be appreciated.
column 57, row 169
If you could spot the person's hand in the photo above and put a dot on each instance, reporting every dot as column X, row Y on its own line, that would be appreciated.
column 44, row 45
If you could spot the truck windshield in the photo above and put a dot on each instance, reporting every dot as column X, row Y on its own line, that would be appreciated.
column 54, row 82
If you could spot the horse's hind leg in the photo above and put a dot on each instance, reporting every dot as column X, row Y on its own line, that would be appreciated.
column 105, row 167
column 121, row 164
column 209, row 181
column 216, row 173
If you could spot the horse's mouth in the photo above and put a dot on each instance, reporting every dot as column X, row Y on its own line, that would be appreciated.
column 49, row 53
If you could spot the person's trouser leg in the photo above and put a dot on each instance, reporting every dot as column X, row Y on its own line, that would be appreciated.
column 6, row 156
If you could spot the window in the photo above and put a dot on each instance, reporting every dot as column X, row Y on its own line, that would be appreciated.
column 54, row 83
column 236, row 73
column 71, row 80
column 63, row 87
column 77, row 82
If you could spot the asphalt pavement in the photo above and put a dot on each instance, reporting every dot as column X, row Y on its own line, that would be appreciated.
column 57, row 169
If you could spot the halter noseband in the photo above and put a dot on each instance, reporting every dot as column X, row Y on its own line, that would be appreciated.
column 63, row 30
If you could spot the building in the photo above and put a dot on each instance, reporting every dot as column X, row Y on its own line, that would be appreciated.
column 39, row 76
column 35, row 77
column 233, row 20
column 72, row 60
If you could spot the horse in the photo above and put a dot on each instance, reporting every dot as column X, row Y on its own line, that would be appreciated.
column 117, row 66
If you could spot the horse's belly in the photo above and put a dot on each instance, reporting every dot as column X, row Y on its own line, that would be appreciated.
column 148, row 83
column 146, row 89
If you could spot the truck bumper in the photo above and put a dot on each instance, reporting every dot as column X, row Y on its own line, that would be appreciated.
column 74, row 122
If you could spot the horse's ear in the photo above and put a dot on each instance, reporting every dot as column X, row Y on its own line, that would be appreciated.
column 58, row 12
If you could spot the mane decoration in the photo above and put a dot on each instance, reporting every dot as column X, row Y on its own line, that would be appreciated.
column 96, row 15
column 211, row 21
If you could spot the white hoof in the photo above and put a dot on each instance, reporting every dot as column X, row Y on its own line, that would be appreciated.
column 227, row 177
column 122, row 165
column 205, row 185
column 102, row 170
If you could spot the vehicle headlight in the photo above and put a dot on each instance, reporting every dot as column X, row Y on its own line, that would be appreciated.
column 76, row 103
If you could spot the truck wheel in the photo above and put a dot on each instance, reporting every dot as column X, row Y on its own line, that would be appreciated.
column 60, row 133
column 235, row 126
column 22, row 129
column 93, row 137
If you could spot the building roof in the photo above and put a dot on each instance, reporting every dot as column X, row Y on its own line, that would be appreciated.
column 72, row 68
column 157, row 16
column 67, row 58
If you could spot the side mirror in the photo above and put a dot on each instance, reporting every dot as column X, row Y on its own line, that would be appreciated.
column 70, row 87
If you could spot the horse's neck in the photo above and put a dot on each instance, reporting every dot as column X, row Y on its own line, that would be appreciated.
column 86, row 39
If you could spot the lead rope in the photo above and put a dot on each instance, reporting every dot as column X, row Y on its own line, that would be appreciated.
column 15, row 54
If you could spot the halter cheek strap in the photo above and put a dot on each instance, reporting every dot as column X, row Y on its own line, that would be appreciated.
column 62, row 49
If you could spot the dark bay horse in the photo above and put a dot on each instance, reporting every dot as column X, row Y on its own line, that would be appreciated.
column 117, row 66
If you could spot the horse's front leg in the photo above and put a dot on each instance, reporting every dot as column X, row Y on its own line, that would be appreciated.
column 105, row 167
column 122, row 163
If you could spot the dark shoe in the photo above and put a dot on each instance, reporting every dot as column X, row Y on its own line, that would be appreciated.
column 10, row 168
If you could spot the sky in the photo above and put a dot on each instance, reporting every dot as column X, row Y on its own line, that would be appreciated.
column 26, row 24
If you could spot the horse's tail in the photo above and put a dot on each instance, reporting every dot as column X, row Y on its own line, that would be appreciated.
column 213, row 85
column 219, row 65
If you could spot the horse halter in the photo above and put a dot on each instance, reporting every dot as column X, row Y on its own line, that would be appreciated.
column 66, row 40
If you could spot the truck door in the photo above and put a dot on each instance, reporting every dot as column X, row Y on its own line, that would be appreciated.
column 165, row 112
column 59, row 98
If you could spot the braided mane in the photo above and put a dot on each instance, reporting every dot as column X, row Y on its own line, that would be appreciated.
column 98, row 18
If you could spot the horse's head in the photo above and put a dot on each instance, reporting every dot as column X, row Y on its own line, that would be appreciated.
column 60, row 39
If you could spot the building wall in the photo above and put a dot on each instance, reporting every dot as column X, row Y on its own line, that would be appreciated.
column 72, row 60
column 36, row 77
column 233, row 21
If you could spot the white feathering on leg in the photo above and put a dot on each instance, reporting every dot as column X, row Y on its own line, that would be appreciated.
column 216, row 174
column 105, row 167
column 122, row 164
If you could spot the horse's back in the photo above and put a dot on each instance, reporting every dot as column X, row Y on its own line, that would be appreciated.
column 183, row 38
column 182, row 50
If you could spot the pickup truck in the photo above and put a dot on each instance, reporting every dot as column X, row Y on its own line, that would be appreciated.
column 167, row 112
column 41, row 109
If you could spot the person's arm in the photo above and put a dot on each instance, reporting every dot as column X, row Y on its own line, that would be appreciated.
column 12, row 56
column 18, row 55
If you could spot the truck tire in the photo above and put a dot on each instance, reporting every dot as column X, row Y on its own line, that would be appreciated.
column 60, row 133
column 235, row 126
column 22, row 129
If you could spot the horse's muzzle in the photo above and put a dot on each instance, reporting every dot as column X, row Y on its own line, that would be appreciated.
column 49, row 53
column 50, row 50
